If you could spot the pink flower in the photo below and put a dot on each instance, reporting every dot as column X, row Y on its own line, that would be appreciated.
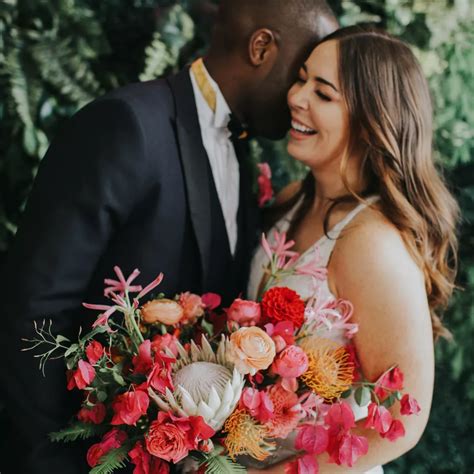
column 111, row 440
column 171, row 437
column 243, row 312
column 145, row 463
column 211, row 300
column 264, row 184
column 346, row 448
column 282, row 334
column 280, row 250
column 257, row 403
column 379, row 418
column 287, row 412
column 392, row 380
column 143, row 362
column 82, row 377
column 409, row 406
column 129, row 407
column 313, row 268
column 314, row 439
column 193, row 307
column 339, row 418
column 95, row 415
column 304, row 465
column 160, row 375
column 395, row 431
column 94, row 351
column 167, row 341
column 122, row 285
column 291, row 362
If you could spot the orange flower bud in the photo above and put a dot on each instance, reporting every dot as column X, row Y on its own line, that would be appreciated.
column 163, row 311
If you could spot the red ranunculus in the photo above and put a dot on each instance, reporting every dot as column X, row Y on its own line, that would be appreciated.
column 95, row 415
column 145, row 463
column 171, row 437
column 82, row 377
column 94, row 351
column 129, row 407
column 409, row 406
column 283, row 304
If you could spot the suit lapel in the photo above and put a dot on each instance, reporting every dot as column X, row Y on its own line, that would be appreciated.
column 195, row 164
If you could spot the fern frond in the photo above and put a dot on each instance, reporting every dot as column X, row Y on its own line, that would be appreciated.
column 75, row 432
column 218, row 463
column 114, row 459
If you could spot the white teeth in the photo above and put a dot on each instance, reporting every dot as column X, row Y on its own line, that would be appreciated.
column 301, row 128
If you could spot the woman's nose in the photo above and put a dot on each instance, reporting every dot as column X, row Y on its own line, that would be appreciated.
column 298, row 97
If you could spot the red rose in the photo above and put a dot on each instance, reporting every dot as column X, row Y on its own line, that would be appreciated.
column 129, row 407
column 145, row 463
column 283, row 304
column 81, row 377
column 95, row 415
column 111, row 440
column 94, row 351
column 171, row 437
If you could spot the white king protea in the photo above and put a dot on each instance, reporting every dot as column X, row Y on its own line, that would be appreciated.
column 206, row 384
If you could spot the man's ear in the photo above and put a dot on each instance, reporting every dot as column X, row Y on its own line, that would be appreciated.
column 262, row 46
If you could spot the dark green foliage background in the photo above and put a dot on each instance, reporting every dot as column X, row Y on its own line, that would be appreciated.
column 57, row 55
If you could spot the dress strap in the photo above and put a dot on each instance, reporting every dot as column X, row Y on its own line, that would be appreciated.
column 327, row 244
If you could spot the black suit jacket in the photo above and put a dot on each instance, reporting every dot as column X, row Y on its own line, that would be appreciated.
column 126, row 183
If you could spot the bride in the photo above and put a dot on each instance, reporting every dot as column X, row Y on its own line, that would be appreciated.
column 375, row 206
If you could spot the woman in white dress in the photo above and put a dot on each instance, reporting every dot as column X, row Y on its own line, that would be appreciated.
column 377, row 209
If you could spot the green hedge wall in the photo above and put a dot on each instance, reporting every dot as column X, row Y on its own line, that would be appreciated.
column 57, row 55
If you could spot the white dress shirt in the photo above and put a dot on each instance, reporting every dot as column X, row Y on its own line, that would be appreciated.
column 221, row 153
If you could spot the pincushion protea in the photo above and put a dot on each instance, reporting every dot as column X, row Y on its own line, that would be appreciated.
column 206, row 384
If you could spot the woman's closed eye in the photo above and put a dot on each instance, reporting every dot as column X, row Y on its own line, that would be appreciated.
column 323, row 96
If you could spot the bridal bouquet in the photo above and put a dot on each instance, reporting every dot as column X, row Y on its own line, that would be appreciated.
column 180, row 382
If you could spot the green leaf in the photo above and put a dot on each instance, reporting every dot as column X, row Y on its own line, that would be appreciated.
column 389, row 401
column 113, row 460
column 346, row 394
column 75, row 432
column 71, row 350
column 362, row 396
column 101, row 395
column 60, row 339
column 118, row 378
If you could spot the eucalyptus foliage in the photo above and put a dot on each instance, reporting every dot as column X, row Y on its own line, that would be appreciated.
column 57, row 55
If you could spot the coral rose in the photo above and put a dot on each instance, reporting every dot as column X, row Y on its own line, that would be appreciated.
column 171, row 437
column 163, row 311
column 283, row 304
column 291, row 362
column 192, row 305
column 243, row 312
column 251, row 349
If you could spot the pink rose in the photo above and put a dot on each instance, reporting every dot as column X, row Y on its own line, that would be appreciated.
column 291, row 362
column 168, row 341
column 129, row 407
column 82, row 377
column 171, row 437
column 95, row 415
column 192, row 305
column 94, row 351
column 243, row 312
column 264, row 184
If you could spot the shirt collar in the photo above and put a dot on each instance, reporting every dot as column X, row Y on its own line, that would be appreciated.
column 218, row 119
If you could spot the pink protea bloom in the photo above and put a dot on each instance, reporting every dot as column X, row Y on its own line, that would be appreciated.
column 286, row 410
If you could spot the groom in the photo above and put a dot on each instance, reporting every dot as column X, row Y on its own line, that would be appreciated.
column 151, row 176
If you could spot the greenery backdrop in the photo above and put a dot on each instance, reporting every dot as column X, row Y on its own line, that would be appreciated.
column 57, row 55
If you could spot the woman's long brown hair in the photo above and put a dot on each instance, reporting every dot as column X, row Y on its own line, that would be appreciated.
column 391, row 121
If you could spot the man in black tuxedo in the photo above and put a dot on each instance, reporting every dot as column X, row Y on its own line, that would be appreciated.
column 129, row 181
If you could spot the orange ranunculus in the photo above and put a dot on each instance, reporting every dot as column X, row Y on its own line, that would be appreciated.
column 251, row 349
column 163, row 311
